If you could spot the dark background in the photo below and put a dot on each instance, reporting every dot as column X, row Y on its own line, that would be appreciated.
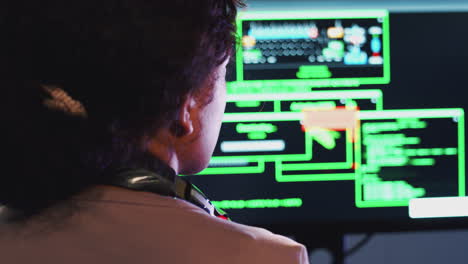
column 429, row 60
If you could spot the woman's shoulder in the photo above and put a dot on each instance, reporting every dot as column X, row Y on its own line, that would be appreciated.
column 146, row 227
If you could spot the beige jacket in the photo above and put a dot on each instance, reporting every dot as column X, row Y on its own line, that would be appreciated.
column 123, row 226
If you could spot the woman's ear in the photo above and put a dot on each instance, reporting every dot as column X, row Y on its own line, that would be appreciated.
column 184, row 125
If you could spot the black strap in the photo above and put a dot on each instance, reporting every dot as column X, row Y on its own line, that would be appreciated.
column 168, row 185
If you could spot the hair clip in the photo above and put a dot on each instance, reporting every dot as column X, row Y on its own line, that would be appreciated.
column 60, row 100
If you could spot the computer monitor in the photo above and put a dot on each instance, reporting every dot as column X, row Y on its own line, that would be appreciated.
column 377, row 157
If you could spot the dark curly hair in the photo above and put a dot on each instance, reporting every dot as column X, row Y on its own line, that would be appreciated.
column 130, row 62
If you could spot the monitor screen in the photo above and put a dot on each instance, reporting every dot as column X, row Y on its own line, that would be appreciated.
column 373, row 157
column 300, row 50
